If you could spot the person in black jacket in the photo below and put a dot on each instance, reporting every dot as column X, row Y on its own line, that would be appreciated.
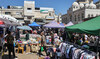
column 10, row 42
column 17, row 34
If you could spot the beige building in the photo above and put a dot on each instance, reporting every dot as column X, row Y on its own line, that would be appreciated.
column 29, row 13
column 80, row 10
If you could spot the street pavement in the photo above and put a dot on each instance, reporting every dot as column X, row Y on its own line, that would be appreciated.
column 22, row 56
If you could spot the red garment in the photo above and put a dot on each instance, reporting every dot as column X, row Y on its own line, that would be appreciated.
column 1, row 22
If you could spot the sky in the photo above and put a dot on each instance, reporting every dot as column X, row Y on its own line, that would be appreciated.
column 60, row 6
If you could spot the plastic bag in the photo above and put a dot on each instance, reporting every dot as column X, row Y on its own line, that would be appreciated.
column 42, row 49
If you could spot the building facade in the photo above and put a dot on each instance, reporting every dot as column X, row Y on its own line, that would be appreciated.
column 80, row 10
column 29, row 13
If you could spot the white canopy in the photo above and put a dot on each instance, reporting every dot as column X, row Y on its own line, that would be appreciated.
column 9, row 20
column 69, row 24
column 54, row 24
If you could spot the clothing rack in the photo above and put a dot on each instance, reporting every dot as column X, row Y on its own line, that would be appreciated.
column 80, row 47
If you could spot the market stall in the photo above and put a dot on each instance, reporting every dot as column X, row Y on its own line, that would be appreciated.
column 53, row 24
column 34, row 24
column 62, row 24
column 33, row 41
column 90, row 27
column 69, row 24
column 9, row 20
column 24, row 27
column 5, row 22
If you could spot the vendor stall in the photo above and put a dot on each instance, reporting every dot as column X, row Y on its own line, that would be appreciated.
column 33, row 42
column 53, row 24
column 9, row 20
column 69, row 24
column 90, row 27
column 24, row 27
column 34, row 24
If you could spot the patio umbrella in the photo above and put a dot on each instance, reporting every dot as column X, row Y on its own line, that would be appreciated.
column 34, row 24
column 8, row 20
column 24, row 27
column 8, row 17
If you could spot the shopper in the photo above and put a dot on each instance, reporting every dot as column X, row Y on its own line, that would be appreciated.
column 27, row 35
column 1, row 42
column 52, row 38
column 43, row 42
column 17, row 34
column 10, row 44
column 1, row 45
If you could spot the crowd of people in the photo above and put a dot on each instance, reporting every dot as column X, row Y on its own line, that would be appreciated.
column 83, row 38
column 56, row 35
column 11, row 37
column 87, row 41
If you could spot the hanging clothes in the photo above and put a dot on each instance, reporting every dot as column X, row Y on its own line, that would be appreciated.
column 70, row 52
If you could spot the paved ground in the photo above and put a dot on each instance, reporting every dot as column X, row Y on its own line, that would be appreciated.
column 22, row 56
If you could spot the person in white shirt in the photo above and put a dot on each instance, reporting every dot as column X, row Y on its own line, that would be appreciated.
column 86, row 37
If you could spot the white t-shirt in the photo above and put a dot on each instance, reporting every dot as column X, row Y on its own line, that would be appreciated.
column 86, row 37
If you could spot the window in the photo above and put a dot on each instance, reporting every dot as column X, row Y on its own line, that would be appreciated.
column 7, row 13
column 88, row 15
column 75, row 17
column 49, row 14
column 20, row 19
column 29, row 8
column 71, row 18
column 96, row 14
column 29, row 17
column 92, row 15
column 37, row 8
column 38, row 20
column 26, row 22
column 79, row 17
column 82, row 15
column 74, row 7
column 18, row 13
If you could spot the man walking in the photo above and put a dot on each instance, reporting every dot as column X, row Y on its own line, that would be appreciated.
column 10, row 40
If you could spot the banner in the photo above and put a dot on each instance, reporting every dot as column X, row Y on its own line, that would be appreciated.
column 46, row 10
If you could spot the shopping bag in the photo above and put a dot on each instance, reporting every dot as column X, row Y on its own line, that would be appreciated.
column 14, row 44
column 27, row 49
column 47, row 41
column 42, row 49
